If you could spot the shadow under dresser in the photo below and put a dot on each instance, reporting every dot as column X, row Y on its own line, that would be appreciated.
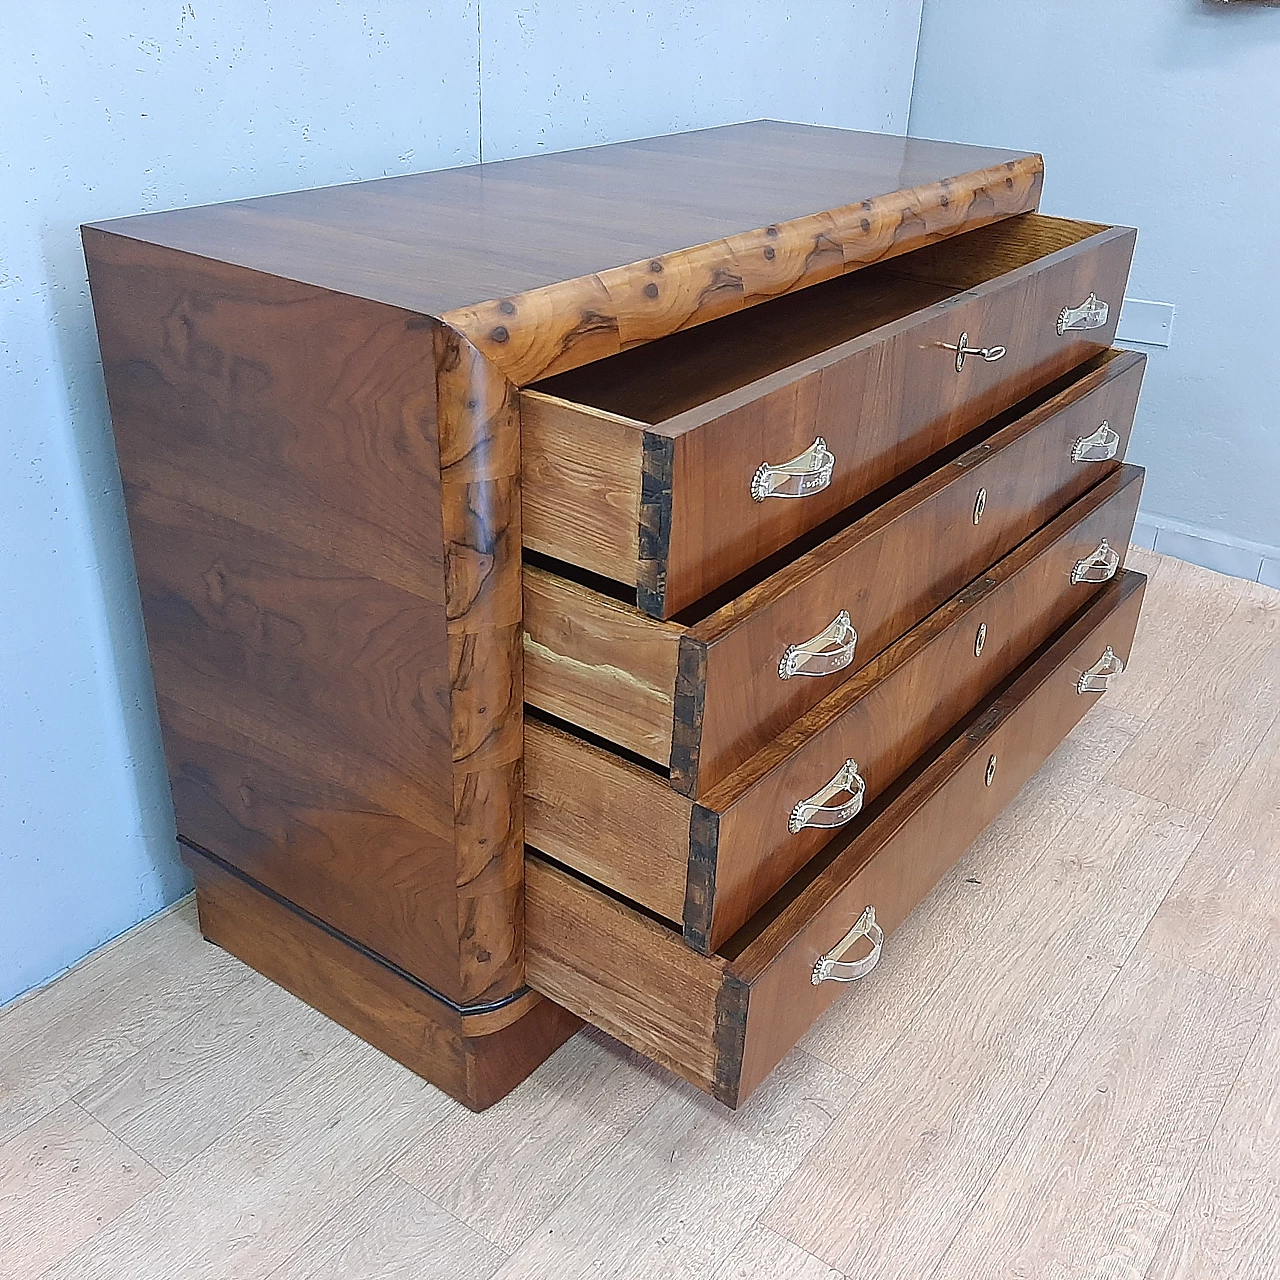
column 615, row 585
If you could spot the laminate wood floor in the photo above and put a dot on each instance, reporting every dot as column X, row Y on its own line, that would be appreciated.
column 1065, row 1066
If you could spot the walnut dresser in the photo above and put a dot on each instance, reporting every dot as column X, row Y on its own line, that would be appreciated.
column 615, row 585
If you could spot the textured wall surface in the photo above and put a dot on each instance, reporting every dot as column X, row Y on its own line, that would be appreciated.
column 150, row 105
column 559, row 75
column 1161, row 114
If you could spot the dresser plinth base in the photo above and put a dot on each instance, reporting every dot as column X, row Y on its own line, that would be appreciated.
column 476, row 1057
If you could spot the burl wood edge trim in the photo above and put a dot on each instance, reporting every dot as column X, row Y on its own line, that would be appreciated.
column 479, row 429
column 548, row 330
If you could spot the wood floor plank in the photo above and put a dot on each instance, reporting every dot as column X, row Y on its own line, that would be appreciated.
column 61, row 1180
column 764, row 1255
column 1227, row 1224
column 1183, row 610
column 104, row 1011
column 392, row 1232
column 1143, row 560
column 175, row 1097
column 502, row 1172
column 680, row 1190
column 1222, row 915
column 1197, row 742
column 246, row 1203
column 1003, row 873
column 1094, row 1177
column 891, row 1183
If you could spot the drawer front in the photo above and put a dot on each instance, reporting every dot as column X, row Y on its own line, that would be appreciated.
column 893, row 711
column 711, row 864
column 702, row 698
column 675, row 467
column 881, row 408
column 895, row 567
column 724, row 1021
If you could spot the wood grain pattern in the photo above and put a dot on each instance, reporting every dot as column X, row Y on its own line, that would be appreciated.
column 724, row 1021
column 285, row 510
column 390, row 1231
column 901, row 703
column 1228, row 705
column 676, row 1214
column 175, row 1097
column 600, row 664
column 609, row 668
column 1094, row 1177
column 606, row 817
column 1009, row 867
column 72, row 1035
column 479, row 425
column 945, row 1053
column 1225, row 1225
column 1220, row 916
column 581, row 483
column 504, row 1172
column 367, row 997
column 547, row 262
column 956, row 1086
column 726, row 855
column 61, row 1180
column 254, row 1197
column 563, row 327
column 859, row 362
column 626, row 973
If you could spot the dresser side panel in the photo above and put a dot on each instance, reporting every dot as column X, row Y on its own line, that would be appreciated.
column 278, row 447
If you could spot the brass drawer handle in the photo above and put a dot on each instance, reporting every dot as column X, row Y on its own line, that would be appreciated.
column 804, row 474
column 1101, row 566
column 1099, row 676
column 830, row 969
column 815, row 812
column 1092, row 313
column 814, row 658
column 1098, row 446
column 963, row 349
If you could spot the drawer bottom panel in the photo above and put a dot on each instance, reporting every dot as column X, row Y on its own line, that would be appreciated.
column 725, row 1020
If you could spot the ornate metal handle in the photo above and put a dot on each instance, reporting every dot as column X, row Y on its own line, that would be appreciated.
column 1101, row 566
column 1092, row 313
column 829, row 968
column 962, row 349
column 814, row 657
column 1098, row 678
column 815, row 812
column 1098, row 446
column 804, row 474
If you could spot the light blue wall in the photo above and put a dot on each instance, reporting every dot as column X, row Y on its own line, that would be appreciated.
column 559, row 75
column 1163, row 114
column 148, row 105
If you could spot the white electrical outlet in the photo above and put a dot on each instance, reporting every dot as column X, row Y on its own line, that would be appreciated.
column 1150, row 323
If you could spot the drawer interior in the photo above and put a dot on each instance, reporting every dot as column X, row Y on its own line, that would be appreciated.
column 655, row 382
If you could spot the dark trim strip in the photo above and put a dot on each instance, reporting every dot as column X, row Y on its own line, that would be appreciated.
column 403, row 974
column 655, row 524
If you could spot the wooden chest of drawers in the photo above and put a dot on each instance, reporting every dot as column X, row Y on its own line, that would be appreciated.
column 615, row 585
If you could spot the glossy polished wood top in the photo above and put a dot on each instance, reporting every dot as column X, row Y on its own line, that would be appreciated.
column 550, row 261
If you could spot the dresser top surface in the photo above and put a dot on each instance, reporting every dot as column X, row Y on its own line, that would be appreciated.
column 436, row 242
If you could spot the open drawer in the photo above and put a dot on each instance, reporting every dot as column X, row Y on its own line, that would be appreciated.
column 675, row 466
column 724, row 1021
column 702, row 693
column 711, row 864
